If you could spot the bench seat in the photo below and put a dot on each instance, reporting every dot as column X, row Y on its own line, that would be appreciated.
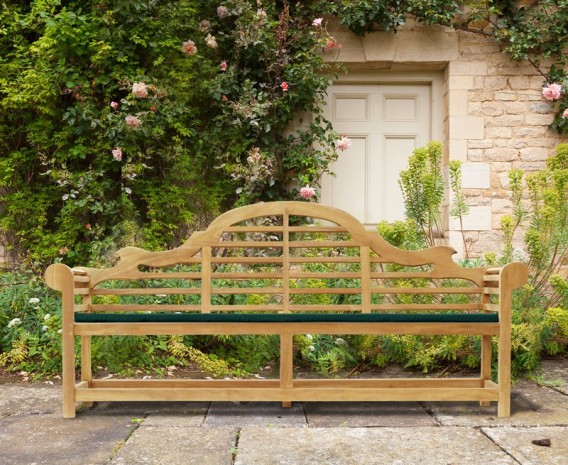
column 286, row 317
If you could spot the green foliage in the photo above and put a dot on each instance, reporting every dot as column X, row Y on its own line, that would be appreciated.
column 119, row 124
column 546, row 235
column 422, row 187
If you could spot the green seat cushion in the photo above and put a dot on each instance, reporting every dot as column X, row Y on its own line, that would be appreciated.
column 286, row 317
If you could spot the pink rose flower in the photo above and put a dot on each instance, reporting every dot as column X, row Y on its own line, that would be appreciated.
column 565, row 114
column 223, row 66
column 317, row 22
column 133, row 121
column 307, row 192
column 284, row 86
column 114, row 105
column 552, row 91
column 189, row 47
column 343, row 143
column 330, row 44
column 63, row 251
column 222, row 12
column 88, row 226
column 204, row 25
column 139, row 90
column 117, row 153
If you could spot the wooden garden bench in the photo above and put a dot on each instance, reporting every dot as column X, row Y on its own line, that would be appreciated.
column 286, row 268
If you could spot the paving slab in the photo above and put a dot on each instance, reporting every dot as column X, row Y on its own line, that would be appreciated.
column 30, row 399
column 518, row 442
column 266, row 414
column 366, row 414
column 369, row 446
column 178, row 446
column 49, row 439
column 555, row 374
column 531, row 405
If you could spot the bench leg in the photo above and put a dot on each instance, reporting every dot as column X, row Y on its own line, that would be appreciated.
column 504, row 373
column 86, row 368
column 286, row 364
column 68, row 374
column 485, row 363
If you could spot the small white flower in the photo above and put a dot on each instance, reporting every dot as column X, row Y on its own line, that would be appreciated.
column 47, row 316
column 309, row 336
column 341, row 342
column 211, row 41
column 14, row 322
column 33, row 300
column 312, row 349
column 45, row 328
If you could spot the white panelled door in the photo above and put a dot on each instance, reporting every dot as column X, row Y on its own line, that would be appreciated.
column 385, row 123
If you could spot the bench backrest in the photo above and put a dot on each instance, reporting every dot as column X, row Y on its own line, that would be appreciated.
column 286, row 257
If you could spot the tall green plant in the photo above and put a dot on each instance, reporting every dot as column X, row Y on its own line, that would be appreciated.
column 546, row 235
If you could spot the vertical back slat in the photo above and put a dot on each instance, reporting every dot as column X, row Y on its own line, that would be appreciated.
column 365, row 253
column 206, row 275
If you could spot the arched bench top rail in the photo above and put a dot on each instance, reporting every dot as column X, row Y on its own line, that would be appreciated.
column 438, row 258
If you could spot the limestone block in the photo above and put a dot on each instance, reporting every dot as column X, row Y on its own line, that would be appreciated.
column 475, row 155
column 533, row 131
column 517, row 143
column 461, row 82
column 379, row 46
column 478, row 219
column 432, row 44
column 517, row 70
column 457, row 103
column 541, row 107
column 496, row 132
column 455, row 240
column 489, row 241
column 516, row 108
column 499, row 167
column 501, row 205
column 501, row 154
column 529, row 96
column 480, row 95
column 477, row 197
column 506, row 120
column 492, row 108
column 536, row 83
column 506, row 95
column 466, row 127
column 429, row 44
column 518, row 82
column 494, row 82
column 467, row 68
column 501, row 143
column 474, row 109
column 534, row 154
column 539, row 120
column 504, row 180
column 480, row 144
column 528, row 167
column 457, row 149
column 475, row 175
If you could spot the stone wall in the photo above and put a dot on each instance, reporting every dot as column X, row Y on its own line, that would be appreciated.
column 494, row 116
